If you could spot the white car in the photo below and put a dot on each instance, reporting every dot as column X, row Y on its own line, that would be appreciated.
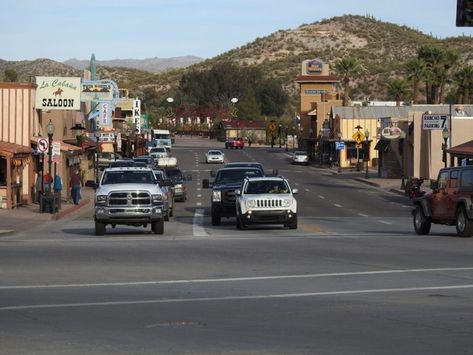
column 214, row 156
column 158, row 152
column 300, row 157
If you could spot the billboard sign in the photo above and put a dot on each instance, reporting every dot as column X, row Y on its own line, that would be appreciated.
column 57, row 93
column 97, row 90
column 137, row 114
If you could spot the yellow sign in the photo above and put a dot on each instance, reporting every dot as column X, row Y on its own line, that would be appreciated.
column 272, row 127
column 358, row 136
column 358, row 146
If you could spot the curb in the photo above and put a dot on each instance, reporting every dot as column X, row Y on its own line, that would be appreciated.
column 70, row 210
column 4, row 232
column 367, row 182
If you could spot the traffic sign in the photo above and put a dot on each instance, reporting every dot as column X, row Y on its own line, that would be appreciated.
column 340, row 145
column 56, row 152
column 43, row 145
column 358, row 136
column 358, row 146
column 272, row 127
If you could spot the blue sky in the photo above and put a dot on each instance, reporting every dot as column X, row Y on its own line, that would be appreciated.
column 64, row 29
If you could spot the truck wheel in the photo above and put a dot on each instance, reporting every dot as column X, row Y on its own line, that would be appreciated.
column 240, row 224
column 421, row 222
column 215, row 219
column 463, row 224
column 99, row 228
column 157, row 227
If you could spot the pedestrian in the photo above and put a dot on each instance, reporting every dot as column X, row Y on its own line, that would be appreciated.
column 76, row 183
column 47, row 180
column 57, row 184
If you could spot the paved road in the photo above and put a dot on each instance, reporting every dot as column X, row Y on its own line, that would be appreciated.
column 353, row 278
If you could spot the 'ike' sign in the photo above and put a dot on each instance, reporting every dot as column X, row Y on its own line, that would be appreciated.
column 137, row 114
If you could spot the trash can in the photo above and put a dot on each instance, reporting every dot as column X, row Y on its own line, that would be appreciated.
column 48, row 203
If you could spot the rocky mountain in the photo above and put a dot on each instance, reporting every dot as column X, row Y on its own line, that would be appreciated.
column 152, row 65
column 382, row 48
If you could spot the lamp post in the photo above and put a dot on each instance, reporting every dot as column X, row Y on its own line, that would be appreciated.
column 50, row 130
column 279, row 134
column 367, row 158
column 97, row 137
column 285, row 130
column 115, row 146
column 339, row 135
column 169, row 100
column 127, row 135
column 445, row 135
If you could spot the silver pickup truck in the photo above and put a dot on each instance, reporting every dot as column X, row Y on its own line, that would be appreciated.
column 130, row 196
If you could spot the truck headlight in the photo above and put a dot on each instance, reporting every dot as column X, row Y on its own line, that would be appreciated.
column 101, row 199
column 250, row 203
column 216, row 196
column 157, row 199
column 286, row 202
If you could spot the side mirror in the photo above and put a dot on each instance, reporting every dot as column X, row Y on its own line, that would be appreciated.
column 295, row 191
column 212, row 173
column 237, row 192
column 205, row 183
column 91, row 183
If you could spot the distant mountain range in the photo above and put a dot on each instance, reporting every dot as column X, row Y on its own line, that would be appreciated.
column 153, row 65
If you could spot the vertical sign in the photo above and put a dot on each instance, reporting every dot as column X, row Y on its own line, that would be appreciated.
column 105, row 114
column 137, row 114
column 56, row 152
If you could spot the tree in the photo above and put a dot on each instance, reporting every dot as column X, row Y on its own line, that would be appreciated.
column 398, row 89
column 248, row 107
column 464, row 81
column 415, row 70
column 10, row 75
column 272, row 98
column 347, row 68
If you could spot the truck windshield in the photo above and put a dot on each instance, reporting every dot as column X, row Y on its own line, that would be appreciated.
column 267, row 187
column 236, row 175
column 128, row 177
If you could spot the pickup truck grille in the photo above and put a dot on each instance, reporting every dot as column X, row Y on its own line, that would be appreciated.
column 228, row 196
column 129, row 198
column 268, row 203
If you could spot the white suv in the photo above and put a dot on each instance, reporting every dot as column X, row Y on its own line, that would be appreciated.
column 266, row 200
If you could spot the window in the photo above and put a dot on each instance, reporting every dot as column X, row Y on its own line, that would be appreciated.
column 352, row 151
column 467, row 180
column 3, row 171
column 442, row 182
column 454, row 179
column 267, row 187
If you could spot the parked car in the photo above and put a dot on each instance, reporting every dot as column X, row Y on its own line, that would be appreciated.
column 450, row 202
column 167, row 188
column 235, row 143
column 179, row 182
column 300, row 157
column 266, row 200
column 214, row 156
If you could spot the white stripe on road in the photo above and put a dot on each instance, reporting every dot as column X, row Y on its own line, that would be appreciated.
column 199, row 203
column 384, row 222
column 321, row 197
column 362, row 215
column 236, row 298
column 198, row 229
column 198, row 196
column 337, row 205
column 238, row 279
column 307, row 190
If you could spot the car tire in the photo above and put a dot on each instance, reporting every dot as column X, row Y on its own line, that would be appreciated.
column 215, row 219
column 240, row 224
column 293, row 225
column 157, row 227
column 463, row 224
column 422, row 223
column 99, row 228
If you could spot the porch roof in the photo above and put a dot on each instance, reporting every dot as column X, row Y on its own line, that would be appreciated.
column 462, row 150
column 11, row 149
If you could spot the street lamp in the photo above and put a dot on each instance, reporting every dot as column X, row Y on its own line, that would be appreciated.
column 339, row 135
column 97, row 137
column 78, row 130
column 445, row 135
column 115, row 146
column 279, row 134
column 50, row 130
column 367, row 135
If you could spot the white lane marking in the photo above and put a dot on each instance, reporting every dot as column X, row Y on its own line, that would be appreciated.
column 384, row 222
column 321, row 197
column 307, row 190
column 199, row 204
column 198, row 189
column 227, row 298
column 199, row 196
column 362, row 215
column 337, row 205
column 297, row 184
column 239, row 279
column 404, row 206
column 198, row 229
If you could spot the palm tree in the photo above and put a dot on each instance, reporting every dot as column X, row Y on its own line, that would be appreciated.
column 347, row 68
column 464, row 80
column 399, row 89
column 415, row 70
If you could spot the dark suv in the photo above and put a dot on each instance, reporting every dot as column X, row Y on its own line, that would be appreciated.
column 450, row 202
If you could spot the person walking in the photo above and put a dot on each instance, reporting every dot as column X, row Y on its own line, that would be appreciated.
column 76, row 183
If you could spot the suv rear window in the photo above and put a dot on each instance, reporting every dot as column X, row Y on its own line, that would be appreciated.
column 467, row 180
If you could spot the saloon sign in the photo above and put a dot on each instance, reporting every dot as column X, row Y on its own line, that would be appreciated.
column 57, row 93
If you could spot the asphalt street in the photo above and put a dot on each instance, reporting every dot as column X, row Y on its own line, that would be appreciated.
column 352, row 279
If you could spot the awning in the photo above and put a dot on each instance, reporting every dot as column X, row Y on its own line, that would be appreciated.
column 12, row 149
column 462, row 150
column 382, row 145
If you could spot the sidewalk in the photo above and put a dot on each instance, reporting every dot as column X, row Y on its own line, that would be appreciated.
column 27, row 217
